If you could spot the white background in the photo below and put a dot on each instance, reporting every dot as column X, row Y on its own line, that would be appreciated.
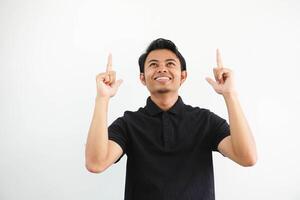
column 51, row 52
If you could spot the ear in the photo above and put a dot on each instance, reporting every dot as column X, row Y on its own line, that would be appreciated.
column 142, row 78
column 183, row 76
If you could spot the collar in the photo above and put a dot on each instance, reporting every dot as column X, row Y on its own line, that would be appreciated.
column 153, row 109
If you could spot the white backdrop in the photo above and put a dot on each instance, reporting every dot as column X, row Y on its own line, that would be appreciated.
column 51, row 51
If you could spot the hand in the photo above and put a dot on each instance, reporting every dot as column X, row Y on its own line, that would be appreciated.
column 224, row 77
column 107, row 85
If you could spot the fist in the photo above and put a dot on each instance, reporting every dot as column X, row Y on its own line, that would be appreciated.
column 224, row 78
column 107, row 85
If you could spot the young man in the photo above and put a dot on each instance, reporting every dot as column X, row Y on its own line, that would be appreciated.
column 168, row 144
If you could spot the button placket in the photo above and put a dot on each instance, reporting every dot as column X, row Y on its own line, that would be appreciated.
column 167, row 130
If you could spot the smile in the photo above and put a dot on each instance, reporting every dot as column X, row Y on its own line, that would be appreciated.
column 162, row 79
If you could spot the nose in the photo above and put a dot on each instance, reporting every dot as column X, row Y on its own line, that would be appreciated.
column 162, row 68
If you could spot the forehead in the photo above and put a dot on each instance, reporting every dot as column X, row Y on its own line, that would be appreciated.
column 161, row 54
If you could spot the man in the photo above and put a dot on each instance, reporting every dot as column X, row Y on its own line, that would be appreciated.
column 168, row 144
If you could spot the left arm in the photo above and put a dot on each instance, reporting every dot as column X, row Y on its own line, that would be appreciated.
column 240, row 145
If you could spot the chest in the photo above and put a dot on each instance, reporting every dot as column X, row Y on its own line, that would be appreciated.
column 168, row 134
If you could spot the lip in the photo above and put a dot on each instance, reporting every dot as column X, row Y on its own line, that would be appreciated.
column 162, row 76
column 162, row 81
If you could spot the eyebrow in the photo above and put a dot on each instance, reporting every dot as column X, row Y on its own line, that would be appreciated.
column 154, row 60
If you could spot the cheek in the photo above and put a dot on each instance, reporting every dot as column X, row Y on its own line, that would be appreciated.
column 177, row 77
column 146, row 79
column 148, row 75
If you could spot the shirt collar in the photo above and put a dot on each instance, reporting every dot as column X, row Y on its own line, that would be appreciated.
column 153, row 109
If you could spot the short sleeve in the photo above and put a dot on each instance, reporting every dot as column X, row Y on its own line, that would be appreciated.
column 219, row 130
column 117, row 133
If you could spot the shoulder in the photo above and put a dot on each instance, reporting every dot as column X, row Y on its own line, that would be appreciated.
column 130, row 116
column 196, row 114
column 203, row 114
column 196, row 110
column 130, row 113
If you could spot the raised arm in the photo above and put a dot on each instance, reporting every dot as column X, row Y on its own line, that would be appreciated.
column 100, row 151
column 240, row 145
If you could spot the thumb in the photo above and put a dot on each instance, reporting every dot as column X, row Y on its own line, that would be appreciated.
column 211, row 82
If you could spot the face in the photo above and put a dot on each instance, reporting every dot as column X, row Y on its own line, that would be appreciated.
column 162, row 72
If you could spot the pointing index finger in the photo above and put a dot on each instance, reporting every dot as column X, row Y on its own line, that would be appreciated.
column 109, row 63
column 219, row 59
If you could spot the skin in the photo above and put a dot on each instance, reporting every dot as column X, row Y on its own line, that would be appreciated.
column 240, row 145
column 163, row 62
column 101, row 153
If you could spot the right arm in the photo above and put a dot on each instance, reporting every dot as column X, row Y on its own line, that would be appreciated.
column 100, row 152
column 97, row 141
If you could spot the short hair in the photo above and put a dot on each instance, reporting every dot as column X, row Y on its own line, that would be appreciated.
column 161, row 43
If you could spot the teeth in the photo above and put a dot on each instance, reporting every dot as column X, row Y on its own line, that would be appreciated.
column 162, row 78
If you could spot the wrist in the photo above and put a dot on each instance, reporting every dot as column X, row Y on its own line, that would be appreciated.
column 102, row 99
column 231, row 94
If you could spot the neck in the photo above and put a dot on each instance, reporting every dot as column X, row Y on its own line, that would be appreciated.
column 164, row 101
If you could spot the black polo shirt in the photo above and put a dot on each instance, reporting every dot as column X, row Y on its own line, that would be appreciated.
column 169, row 153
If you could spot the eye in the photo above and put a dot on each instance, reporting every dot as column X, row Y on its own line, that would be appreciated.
column 152, row 64
column 170, row 63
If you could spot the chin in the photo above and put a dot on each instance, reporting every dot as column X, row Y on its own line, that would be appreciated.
column 163, row 90
column 160, row 89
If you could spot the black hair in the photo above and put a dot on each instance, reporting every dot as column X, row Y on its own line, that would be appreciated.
column 161, row 43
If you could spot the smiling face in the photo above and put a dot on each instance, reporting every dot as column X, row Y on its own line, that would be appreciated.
column 162, row 72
